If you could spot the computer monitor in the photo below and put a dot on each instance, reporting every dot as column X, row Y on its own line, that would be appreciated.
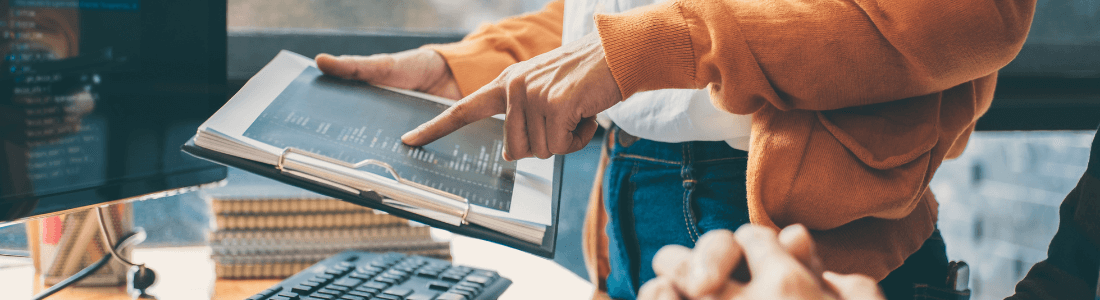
column 98, row 96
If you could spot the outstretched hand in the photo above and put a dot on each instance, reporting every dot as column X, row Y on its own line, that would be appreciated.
column 549, row 102
column 782, row 266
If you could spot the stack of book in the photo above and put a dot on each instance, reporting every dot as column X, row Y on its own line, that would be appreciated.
column 275, row 237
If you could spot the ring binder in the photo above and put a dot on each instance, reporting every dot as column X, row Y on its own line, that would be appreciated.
column 281, row 167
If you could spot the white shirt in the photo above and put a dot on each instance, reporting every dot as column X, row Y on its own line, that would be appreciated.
column 671, row 115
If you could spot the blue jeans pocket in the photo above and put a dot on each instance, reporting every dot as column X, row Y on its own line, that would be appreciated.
column 718, row 198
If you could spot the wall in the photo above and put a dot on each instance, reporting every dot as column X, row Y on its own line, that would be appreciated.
column 999, row 202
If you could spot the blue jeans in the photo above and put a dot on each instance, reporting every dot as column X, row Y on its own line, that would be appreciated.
column 666, row 193
column 661, row 194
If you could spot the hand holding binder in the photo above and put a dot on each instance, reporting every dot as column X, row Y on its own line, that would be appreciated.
column 341, row 138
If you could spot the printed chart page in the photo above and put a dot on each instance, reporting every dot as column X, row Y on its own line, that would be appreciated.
column 352, row 121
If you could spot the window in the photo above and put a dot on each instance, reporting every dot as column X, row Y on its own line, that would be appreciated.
column 375, row 15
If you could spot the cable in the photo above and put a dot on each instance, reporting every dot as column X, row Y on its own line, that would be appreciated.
column 133, row 238
column 73, row 279
column 107, row 239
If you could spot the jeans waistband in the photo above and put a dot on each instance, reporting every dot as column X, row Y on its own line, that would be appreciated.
column 628, row 146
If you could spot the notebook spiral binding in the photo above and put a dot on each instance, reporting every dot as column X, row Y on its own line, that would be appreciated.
column 282, row 167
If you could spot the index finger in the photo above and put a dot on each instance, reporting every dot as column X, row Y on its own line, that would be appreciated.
column 763, row 252
column 484, row 103
column 716, row 255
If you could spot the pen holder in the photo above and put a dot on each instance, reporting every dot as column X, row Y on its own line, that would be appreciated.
column 62, row 245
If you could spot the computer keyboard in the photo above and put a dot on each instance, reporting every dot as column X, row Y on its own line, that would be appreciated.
column 356, row 275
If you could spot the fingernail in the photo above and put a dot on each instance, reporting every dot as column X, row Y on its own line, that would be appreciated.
column 407, row 136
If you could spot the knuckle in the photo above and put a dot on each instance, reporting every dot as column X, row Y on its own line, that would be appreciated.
column 460, row 113
column 658, row 288
column 793, row 282
column 517, row 151
column 720, row 237
column 755, row 234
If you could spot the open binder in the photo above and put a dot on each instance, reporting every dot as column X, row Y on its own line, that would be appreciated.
column 338, row 138
column 456, row 223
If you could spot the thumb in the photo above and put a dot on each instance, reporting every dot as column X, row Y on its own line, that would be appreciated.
column 372, row 68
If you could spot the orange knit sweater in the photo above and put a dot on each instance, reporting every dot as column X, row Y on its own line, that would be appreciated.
column 855, row 103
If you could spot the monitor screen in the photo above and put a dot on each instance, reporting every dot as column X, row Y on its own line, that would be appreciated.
column 98, row 96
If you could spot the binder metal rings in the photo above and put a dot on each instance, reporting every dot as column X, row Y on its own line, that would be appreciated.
column 389, row 169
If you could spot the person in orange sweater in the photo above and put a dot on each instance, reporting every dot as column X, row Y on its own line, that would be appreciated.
column 852, row 106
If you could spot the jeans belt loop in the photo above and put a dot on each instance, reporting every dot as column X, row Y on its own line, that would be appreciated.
column 625, row 139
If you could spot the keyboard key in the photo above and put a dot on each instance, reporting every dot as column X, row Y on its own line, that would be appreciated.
column 489, row 274
column 311, row 284
column 352, row 297
column 387, row 280
column 348, row 282
column 451, row 296
column 290, row 295
column 399, row 292
column 468, row 294
column 368, row 290
column 477, row 279
column 471, row 289
column 427, row 274
column 302, row 289
column 398, row 272
column 361, row 276
column 377, row 285
column 362, row 294
column 422, row 296
column 471, row 283
column 323, row 296
column 451, row 277
column 439, row 286
column 340, row 288
column 371, row 269
column 387, row 297
column 330, row 292
column 326, row 277
column 334, row 272
column 279, row 298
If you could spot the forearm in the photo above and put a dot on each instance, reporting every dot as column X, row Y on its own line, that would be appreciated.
column 483, row 54
column 816, row 55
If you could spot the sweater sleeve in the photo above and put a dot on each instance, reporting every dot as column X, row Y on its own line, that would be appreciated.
column 483, row 54
column 814, row 55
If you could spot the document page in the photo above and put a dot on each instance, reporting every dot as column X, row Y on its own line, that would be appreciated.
column 352, row 121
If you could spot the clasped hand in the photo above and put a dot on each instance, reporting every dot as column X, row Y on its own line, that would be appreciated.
column 753, row 263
